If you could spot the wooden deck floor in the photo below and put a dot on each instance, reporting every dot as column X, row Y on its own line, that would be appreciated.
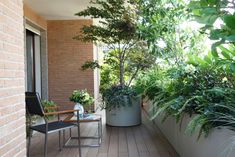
column 139, row 141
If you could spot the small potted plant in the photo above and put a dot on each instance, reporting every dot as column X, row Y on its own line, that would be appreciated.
column 81, row 98
column 49, row 106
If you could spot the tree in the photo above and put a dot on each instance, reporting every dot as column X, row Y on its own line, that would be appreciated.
column 117, row 29
column 162, row 21
column 218, row 20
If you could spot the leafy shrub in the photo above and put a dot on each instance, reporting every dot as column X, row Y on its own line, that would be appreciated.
column 118, row 96
column 201, row 89
column 49, row 104
column 82, row 97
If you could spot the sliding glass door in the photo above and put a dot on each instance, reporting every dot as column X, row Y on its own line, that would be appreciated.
column 33, row 62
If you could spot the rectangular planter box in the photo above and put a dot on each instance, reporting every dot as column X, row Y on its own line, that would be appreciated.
column 214, row 145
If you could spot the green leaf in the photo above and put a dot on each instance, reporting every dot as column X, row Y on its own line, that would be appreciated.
column 208, row 59
column 229, row 20
column 230, row 38
column 214, row 48
column 232, row 67
column 192, row 60
column 225, row 54
column 208, row 20
column 209, row 11
column 194, row 5
column 197, row 12
column 214, row 52
column 200, row 61
column 214, row 35
column 231, row 49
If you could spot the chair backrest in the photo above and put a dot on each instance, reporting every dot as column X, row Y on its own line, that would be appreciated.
column 33, row 104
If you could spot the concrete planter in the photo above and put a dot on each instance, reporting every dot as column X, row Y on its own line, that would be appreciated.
column 128, row 115
column 215, row 145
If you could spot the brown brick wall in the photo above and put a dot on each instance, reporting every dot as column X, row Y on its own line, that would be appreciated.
column 12, row 107
column 34, row 17
column 65, row 58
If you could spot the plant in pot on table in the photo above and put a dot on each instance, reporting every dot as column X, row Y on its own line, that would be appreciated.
column 81, row 98
column 125, row 55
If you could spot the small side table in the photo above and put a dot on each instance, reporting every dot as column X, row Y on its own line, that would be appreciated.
column 88, row 118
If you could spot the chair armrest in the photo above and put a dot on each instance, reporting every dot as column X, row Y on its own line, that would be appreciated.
column 60, row 112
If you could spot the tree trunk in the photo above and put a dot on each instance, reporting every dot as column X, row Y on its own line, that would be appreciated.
column 121, row 74
column 121, row 66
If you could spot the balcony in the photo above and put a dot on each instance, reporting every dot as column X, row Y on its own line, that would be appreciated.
column 187, row 74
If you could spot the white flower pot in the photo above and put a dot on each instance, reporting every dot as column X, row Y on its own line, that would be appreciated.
column 127, row 115
column 79, row 107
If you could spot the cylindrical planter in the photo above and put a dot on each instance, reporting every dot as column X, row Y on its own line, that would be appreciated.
column 126, row 115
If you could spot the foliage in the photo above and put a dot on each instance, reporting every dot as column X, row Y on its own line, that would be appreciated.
column 164, row 25
column 49, row 104
column 151, row 82
column 90, row 65
column 31, row 119
column 118, row 96
column 196, row 86
column 116, row 29
column 200, row 87
column 82, row 97
column 116, row 18
column 218, row 19
column 137, row 61
column 109, row 77
column 126, row 53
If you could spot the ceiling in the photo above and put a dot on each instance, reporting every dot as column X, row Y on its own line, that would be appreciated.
column 58, row 9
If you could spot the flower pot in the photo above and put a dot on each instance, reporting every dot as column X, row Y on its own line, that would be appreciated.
column 79, row 107
column 126, row 115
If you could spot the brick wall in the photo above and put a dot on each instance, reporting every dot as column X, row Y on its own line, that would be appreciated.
column 12, row 108
column 65, row 58
column 34, row 17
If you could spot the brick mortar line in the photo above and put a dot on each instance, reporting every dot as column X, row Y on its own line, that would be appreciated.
column 12, row 148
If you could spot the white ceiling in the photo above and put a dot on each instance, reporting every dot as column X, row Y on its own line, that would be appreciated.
column 58, row 9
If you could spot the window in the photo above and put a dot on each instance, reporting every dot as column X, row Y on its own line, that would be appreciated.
column 33, row 62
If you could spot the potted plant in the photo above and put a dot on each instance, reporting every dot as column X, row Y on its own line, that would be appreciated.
column 49, row 106
column 125, row 56
column 81, row 98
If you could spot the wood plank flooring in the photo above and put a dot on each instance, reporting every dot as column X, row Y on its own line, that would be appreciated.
column 140, row 141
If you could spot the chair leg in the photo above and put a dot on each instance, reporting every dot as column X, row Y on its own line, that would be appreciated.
column 60, row 140
column 63, row 138
column 29, row 143
column 79, row 141
column 45, row 146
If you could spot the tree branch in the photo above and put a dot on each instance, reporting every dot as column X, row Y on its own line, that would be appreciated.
column 133, row 76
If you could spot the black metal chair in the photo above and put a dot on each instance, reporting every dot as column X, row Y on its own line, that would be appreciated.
column 34, row 107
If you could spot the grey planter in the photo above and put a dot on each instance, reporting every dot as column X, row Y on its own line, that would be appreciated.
column 128, row 115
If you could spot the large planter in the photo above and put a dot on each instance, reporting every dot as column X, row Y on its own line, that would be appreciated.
column 126, row 115
column 215, row 145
